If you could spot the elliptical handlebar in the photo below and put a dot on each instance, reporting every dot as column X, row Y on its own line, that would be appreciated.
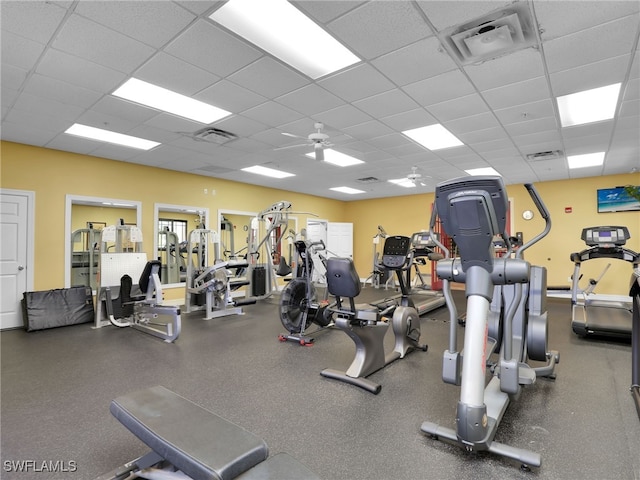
column 544, row 213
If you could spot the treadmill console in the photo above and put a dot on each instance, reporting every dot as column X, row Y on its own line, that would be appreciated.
column 396, row 251
column 605, row 237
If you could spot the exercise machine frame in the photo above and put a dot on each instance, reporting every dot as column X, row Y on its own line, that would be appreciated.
column 473, row 211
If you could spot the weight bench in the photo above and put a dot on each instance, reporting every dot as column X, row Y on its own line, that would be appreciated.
column 186, row 439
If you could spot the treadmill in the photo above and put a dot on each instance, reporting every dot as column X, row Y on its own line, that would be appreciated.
column 423, row 249
column 602, row 317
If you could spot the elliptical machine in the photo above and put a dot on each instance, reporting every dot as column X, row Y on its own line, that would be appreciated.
column 473, row 210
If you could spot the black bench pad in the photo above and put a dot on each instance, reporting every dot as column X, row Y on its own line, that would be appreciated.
column 198, row 442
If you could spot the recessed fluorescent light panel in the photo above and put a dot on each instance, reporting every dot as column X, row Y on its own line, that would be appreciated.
column 162, row 99
column 284, row 31
column 403, row 182
column 110, row 137
column 588, row 106
column 482, row 171
column 349, row 190
column 267, row 172
column 587, row 160
column 336, row 158
column 433, row 137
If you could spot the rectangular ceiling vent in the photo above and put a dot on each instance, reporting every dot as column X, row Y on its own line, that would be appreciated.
column 213, row 135
column 548, row 155
column 493, row 35
column 368, row 180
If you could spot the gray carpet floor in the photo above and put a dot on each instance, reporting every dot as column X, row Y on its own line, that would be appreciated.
column 57, row 385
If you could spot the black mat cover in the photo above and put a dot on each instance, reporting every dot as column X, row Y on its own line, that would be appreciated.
column 57, row 308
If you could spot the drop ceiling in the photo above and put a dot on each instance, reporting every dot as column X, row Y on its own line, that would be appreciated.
column 61, row 60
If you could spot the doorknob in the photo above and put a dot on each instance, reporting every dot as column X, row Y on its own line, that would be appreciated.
column 20, row 268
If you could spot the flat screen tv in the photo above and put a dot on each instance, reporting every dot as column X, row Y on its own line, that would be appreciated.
column 616, row 200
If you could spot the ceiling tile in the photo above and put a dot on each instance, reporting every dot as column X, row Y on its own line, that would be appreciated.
column 422, row 59
column 516, row 67
column 356, row 83
column 310, row 100
column 324, row 11
column 440, row 88
column 174, row 74
column 18, row 51
column 37, row 21
column 537, row 125
column 55, row 89
column 96, row 43
column 153, row 23
column 388, row 103
column 268, row 78
column 231, row 97
column 376, row 28
column 78, row 71
column 593, row 75
column 471, row 123
column 368, row 130
column 343, row 116
column 209, row 47
column 446, row 13
column 272, row 114
column 517, row 93
column 588, row 46
column 418, row 117
column 461, row 107
column 557, row 19
column 12, row 77
column 526, row 112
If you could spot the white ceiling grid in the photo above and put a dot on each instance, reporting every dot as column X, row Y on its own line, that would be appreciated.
column 61, row 60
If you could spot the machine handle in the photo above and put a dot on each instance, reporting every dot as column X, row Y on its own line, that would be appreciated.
column 544, row 213
column 533, row 193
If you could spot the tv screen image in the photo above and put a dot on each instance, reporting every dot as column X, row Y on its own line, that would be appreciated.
column 616, row 200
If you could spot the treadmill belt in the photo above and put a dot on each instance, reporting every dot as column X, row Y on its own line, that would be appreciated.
column 608, row 320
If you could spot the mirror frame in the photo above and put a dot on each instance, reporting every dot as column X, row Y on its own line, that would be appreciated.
column 70, row 200
column 167, row 207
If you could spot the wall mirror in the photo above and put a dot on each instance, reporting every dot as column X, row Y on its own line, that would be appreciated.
column 85, row 217
column 172, row 225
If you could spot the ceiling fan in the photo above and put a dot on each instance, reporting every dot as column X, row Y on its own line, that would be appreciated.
column 318, row 140
column 416, row 178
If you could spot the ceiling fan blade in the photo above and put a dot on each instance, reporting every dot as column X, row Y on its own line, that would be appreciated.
column 292, row 135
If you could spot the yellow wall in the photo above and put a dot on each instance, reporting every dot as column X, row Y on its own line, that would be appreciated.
column 53, row 174
column 408, row 214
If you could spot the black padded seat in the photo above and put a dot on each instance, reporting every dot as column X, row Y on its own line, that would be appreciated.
column 343, row 281
column 198, row 442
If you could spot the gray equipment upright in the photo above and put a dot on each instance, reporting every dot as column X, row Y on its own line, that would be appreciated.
column 634, row 292
column 473, row 210
column 367, row 324
column 602, row 317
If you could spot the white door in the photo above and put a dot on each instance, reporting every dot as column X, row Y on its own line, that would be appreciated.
column 340, row 239
column 15, row 274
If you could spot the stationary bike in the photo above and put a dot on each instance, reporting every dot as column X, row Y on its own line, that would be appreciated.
column 474, row 210
column 299, row 307
column 367, row 324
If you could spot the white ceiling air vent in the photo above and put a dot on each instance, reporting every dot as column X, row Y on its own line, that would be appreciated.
column 548, row 155
column 493, row 35
column 213, row 135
